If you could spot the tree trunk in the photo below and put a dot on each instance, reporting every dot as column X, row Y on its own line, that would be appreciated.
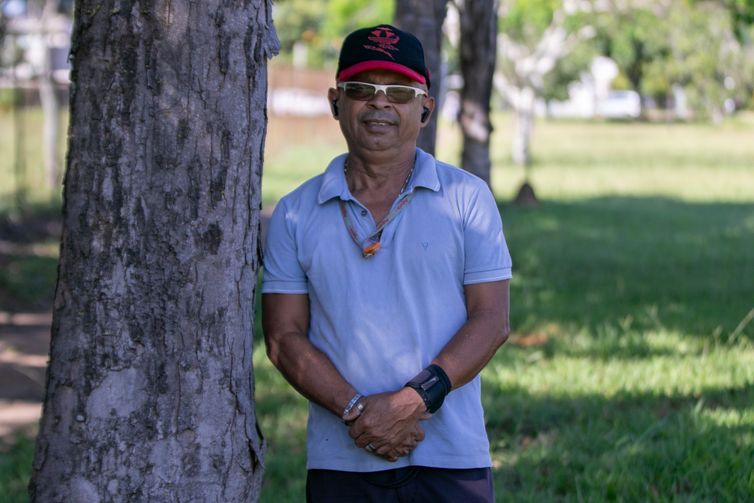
column 478, row 53
column 150, row 385
column 424, row 19
column 49, row 101
column 524, row 123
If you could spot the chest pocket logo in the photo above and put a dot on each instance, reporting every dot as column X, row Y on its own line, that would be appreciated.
column 425, row 244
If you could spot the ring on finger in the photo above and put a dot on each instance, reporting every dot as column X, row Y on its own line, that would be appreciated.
column 369, row 447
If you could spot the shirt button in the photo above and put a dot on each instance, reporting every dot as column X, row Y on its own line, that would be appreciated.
column 363, row 213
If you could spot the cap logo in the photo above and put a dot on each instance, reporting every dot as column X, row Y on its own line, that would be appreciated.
column 384, row 39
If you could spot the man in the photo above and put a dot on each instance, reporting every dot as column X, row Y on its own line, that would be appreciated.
column 386, row 292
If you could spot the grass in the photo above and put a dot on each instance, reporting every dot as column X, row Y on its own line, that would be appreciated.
column 629, row 375
column 22, row 172
column 15, row 468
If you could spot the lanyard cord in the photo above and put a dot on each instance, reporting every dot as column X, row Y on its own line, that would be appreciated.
column 374, row 238
column 371, row 244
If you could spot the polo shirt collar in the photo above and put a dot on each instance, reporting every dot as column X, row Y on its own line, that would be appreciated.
column 334, row 181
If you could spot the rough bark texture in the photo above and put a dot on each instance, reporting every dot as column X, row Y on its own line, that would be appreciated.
column 150, row 387
column 424, row 19
column 478, row 53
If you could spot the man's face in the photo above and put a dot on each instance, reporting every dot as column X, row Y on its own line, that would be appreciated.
column 378, row 124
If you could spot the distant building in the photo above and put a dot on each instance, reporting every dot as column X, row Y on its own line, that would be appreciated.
column 591, row 96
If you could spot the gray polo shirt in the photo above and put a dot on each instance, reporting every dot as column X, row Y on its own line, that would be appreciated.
column 381, row 320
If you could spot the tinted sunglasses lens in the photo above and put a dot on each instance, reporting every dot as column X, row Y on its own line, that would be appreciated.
column 359, row 91
column 400, row 94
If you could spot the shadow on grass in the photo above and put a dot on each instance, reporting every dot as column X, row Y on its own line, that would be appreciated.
column 29, row 243
column 630, row 447
column 655, row 262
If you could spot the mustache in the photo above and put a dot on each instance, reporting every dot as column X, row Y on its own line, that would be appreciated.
column 378, row 116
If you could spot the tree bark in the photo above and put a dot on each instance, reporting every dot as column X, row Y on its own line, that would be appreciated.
column 150, row 385
column 478, row 53
column 424, row 18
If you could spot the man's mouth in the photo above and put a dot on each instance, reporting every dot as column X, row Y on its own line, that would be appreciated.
column 379, row 121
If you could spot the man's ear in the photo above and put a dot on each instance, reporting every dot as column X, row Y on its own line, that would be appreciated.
column 427, row 109
column 332, row 97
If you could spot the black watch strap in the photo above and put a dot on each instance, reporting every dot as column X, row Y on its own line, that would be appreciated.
column 433, row 385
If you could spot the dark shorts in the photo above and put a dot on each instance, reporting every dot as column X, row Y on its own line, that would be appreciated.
column 416, row 484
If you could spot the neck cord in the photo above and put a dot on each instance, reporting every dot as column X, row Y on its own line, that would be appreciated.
column 371, row 244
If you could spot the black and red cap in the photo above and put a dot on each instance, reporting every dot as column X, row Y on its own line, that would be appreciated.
column 382, row 47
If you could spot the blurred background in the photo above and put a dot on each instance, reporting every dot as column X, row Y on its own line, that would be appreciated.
column 622, row 157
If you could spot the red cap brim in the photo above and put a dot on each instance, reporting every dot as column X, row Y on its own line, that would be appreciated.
column 365, row 66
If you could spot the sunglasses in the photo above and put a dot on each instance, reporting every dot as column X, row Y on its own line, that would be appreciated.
column 364, row 91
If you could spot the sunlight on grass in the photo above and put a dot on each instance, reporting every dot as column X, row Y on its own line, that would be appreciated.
column 637, row 425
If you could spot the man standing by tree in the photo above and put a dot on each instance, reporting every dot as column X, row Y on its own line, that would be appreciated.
column 386, row 292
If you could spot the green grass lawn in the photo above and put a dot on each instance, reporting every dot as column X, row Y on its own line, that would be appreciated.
column 629, row 375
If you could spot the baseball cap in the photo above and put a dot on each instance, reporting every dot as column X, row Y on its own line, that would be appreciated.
column 382, row 47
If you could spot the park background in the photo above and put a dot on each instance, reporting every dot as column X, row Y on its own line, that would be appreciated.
column 630, row 371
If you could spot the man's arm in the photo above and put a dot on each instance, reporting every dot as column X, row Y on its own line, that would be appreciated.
column 487, row 327
column 285, row 318
column 310, row 371
column 462, row 358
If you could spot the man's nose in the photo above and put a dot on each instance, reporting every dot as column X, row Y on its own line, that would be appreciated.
column 379, row 99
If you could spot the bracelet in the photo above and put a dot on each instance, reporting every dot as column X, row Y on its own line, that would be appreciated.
column 433, row 385
column 350, row 405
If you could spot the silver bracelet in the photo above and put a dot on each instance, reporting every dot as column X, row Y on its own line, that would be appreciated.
column 350, row 405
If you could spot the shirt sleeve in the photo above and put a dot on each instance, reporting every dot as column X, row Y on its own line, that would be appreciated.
column 282, row 270
column 486, row 252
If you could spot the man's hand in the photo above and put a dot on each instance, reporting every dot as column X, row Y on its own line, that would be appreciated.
column 389, row 423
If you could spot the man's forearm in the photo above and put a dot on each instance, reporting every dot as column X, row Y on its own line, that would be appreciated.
column 286, row 320
column 470, row 350
column 476, row 342
column 309, row 371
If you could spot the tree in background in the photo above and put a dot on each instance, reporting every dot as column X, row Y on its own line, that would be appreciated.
column 150, row 386
column 345, row 16
column 696, row 51
column 35, row 28
column 714, row 69
column 634, row 39
column 477, row 49
column 317, row 27
column 48, row 9
column 299, row 24
column 424, row 18
column 535, row 35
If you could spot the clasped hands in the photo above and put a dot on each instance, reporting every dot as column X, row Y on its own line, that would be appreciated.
column 389, row 424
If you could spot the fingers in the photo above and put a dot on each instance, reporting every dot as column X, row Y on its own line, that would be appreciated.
column 391, row 454
column 394, row 449
column 387, row 425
